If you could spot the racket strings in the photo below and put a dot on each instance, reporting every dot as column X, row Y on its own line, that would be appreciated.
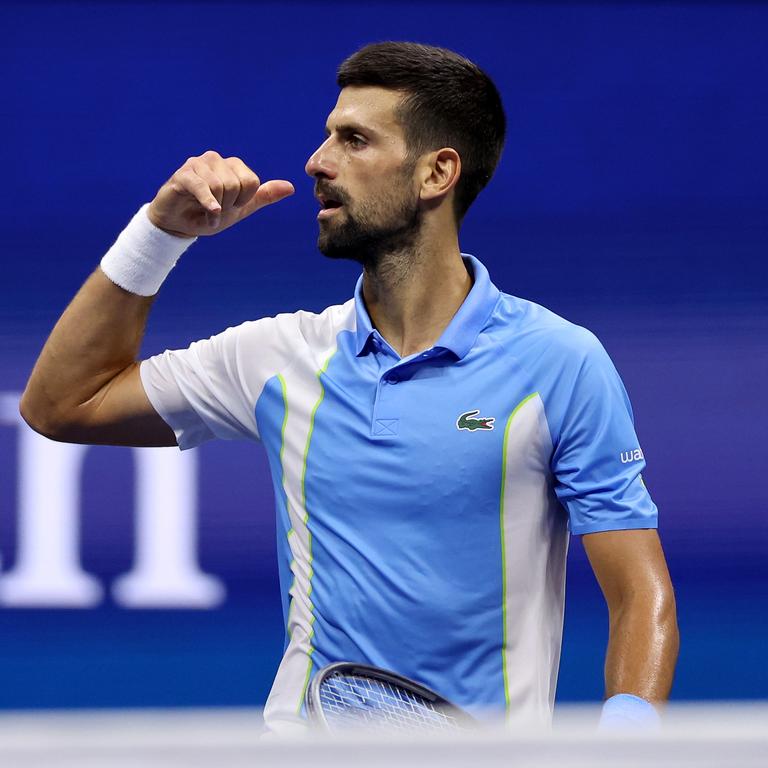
column 355, row 701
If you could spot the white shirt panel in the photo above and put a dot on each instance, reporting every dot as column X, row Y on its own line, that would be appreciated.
column 210, row 388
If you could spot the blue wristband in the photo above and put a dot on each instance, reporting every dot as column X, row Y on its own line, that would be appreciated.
column 625, row 711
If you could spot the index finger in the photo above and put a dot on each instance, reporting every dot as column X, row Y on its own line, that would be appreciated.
column 194, row 185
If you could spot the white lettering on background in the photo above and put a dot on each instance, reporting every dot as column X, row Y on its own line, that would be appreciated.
column 165, row 570
column 48, row 572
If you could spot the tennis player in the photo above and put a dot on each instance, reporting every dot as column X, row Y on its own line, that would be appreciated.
column 432, row 441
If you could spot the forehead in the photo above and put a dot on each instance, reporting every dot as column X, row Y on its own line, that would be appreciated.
column 369, row 107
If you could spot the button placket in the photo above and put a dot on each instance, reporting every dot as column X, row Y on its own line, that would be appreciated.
column 386, row 417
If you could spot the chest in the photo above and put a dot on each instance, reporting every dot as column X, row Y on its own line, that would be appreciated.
column 427, row 431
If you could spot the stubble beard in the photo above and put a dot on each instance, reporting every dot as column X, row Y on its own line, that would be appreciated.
column 371, row 238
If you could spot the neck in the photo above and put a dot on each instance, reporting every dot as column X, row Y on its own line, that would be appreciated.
column 411, row 295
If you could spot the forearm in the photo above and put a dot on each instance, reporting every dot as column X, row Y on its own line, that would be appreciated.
column 642, row 646
column 643, row 638
column 85, row 386
column 96, row 339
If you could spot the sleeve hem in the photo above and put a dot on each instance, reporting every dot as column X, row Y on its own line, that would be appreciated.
column 629, row 524
column 161, row 412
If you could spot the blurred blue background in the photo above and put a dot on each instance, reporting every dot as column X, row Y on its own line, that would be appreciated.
column 631, row 199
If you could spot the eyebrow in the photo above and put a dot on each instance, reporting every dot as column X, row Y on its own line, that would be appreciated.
column 351, row 128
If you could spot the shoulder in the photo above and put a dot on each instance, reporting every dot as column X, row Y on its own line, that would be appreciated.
column 532, row 328
column 314, row 329
column 321, row 329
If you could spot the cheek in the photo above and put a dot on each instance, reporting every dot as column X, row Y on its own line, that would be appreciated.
column 377, row 191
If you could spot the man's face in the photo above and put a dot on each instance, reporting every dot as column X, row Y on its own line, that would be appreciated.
column 365, row 184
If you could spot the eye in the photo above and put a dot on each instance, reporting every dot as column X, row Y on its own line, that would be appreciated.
column 356, row 141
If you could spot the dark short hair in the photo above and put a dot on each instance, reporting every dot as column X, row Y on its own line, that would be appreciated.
column 448, row 102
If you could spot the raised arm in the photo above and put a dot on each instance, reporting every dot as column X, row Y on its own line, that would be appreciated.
column 643, row 636
column 85, row 385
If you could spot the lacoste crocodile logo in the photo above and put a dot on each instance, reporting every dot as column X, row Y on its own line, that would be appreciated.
column 469, row 422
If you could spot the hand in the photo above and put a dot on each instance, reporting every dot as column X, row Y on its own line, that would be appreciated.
column 210, row 193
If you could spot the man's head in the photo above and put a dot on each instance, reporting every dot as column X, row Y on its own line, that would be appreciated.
column 415, row 127
column 447, row 101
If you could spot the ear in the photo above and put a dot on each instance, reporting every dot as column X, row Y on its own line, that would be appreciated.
column 439, row 172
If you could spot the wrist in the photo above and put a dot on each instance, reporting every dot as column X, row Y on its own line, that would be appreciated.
column 627, row 711
column 153, row 219
column 143, row 255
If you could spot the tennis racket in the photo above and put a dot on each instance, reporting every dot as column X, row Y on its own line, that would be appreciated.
column 346, row 696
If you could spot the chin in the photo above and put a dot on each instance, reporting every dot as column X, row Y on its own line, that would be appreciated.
column 333, row 251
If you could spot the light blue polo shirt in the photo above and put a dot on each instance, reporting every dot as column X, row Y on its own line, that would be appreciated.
column 423, row 503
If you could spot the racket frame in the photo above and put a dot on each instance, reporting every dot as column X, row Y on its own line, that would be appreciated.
column 314, row 708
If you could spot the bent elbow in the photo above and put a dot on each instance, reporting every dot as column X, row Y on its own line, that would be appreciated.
column 44, row 420
column 36, row 420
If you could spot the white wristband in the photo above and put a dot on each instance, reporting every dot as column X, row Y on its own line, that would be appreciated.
column 143, row 255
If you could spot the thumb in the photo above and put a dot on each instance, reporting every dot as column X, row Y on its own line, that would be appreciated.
column 267, row 193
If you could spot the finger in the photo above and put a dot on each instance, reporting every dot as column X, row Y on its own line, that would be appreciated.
column 187, row 181
column 268, row 193
column 210, row 177
column 249, row 181
column 230, row 180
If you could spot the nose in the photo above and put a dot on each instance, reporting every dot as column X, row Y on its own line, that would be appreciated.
column 320, row 162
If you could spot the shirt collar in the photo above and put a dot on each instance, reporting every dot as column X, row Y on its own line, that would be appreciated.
column 466, row 324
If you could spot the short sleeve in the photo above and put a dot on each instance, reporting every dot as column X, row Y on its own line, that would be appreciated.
column 597, row 460
column 210, row 389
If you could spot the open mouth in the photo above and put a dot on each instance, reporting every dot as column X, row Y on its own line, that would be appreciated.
column 328, row 207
